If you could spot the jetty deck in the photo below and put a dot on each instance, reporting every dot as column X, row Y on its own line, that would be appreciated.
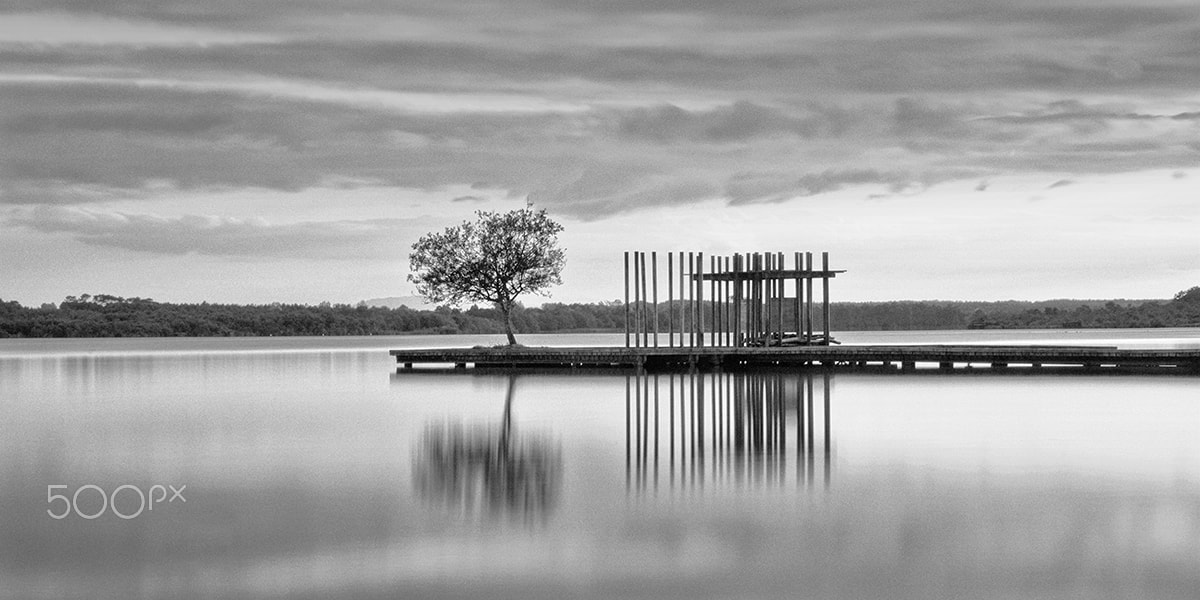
column 945, row 357
column 739, row 311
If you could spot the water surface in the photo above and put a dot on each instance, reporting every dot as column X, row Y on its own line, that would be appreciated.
column 313, row 469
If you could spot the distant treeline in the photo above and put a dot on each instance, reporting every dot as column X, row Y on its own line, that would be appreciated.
column 112, row 316
column 1183, row 311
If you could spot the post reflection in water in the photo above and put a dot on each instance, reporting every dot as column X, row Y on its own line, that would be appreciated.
column 727, row 429
column 487, row 470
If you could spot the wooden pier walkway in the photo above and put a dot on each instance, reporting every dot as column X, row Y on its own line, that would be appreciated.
column 946, row 357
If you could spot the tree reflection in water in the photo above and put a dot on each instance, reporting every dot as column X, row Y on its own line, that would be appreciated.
column 727, row 429
column 489, row 471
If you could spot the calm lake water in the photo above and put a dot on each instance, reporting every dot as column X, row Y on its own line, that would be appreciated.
column 311, row 468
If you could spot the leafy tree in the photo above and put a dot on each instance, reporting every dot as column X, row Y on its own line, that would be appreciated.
column 1189, row 295
column 495, row 259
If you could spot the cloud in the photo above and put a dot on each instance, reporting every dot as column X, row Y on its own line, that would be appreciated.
column 219, row 236
column 1060, row 183
column 742, row 120
column 596, row 108
column 748, row 188
column 170, row 121
column 59, row 28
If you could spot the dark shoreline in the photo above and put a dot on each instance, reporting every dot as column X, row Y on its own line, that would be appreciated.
column 110, row 316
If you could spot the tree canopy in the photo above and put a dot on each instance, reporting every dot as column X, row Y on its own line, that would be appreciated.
column 495, row 259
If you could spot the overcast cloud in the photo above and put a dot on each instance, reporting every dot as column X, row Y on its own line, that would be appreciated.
column 111, row 110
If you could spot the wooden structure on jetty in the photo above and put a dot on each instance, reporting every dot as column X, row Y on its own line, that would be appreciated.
column 736, row 301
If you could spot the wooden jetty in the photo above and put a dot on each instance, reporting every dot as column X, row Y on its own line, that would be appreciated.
column 905, row 358
column 737, row 312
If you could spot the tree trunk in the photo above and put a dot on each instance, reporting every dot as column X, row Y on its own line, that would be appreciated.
column 508, row 326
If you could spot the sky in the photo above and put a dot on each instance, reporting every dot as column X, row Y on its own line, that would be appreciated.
column 258, row 151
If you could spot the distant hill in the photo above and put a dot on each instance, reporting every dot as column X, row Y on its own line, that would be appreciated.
column 413, row 302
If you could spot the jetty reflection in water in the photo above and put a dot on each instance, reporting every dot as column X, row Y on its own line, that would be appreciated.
column 727, row 429
column 489, row 471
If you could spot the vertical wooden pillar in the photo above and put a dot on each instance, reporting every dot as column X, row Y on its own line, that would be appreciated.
column 626, row 298
column 645, row 302
column 759, row 284
column 737, row 300
column 670, row 300
column 796, row 303
column 640, row 284
column 755, row 326
column 781, row 291
column 751, row 297
column 808, row 292
column 729, row 305
column 714, row 303
column 692, row 299
column 637, row 323
column 654, row 292
column 744, row 325
column 682, row 303
column 768, row 259
column 700, row 298
column 763, row 321
column 825, row 293
column 773, row 295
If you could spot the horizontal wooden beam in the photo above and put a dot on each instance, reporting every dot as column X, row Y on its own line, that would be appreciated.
column 765, row 274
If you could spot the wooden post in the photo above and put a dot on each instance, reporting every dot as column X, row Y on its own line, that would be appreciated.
column 759, row 292
column 700, row 298
column 626, row 298
column 767, row 260
column 799, row 293
column 645, row 298
column 825, row 293
column 773, row 295
column 763, row 317
column 714, row 300
column 682, row 303
column 637, row 337
column 729, row 305
column 670, row 301
column 748, row 298
column 808, row 283
column 779, row 288
column 751, row 297
column 654, row 292
column 737, row 300
column 692, row 299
